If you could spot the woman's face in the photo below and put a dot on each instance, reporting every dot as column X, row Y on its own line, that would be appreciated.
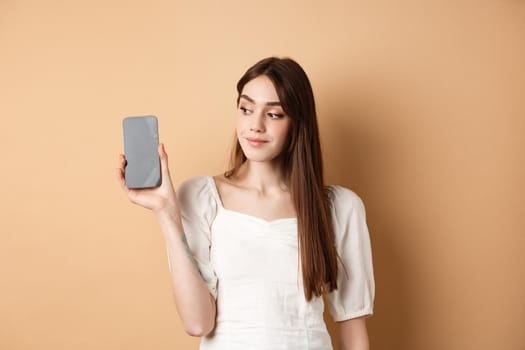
column 262, row 125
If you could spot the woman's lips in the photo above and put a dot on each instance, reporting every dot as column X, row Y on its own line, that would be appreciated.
column 256, row 142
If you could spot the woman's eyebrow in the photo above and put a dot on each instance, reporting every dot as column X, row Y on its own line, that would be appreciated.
column 271, row 103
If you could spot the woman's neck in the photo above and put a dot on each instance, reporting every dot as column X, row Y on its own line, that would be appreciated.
column 262, row 176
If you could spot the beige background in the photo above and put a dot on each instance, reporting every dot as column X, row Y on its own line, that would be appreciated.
column 421, row 109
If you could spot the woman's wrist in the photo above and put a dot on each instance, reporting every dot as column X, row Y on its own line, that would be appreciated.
column 169, row 218
column 166, row 212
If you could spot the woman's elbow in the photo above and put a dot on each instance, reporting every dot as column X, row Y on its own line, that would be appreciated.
column 202, row 321
column 201, row 326
column 199, row 329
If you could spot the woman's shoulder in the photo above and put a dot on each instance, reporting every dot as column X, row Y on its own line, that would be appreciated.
column 348, row 214
column 203, row 180
column 194, row 181
column 197, row 188
column 193, row 184
column 196, row 196
column 343, row 198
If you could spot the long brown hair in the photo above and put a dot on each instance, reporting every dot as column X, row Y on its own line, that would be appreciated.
column 302, row 166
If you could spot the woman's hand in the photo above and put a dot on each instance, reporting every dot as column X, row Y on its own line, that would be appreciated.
column 158, row 199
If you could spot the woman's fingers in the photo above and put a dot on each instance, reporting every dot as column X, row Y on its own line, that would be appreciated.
column 150, row 198
column 121, row 180
column 122, row 162
column 163, row 159
column 120, row 173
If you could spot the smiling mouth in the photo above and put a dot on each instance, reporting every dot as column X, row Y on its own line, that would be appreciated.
column 256, row 142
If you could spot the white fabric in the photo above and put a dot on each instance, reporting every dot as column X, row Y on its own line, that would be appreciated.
column 252, row 269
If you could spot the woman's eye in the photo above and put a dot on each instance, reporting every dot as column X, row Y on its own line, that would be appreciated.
column 244, row 110
column 275, row 115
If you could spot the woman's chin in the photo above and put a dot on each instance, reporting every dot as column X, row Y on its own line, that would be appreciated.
column 259, row 158
column 259, row 155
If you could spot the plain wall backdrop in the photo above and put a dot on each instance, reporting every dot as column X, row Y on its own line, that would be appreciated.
column 421, row 111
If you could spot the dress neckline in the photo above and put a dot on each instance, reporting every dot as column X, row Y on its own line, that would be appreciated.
column 215, row 191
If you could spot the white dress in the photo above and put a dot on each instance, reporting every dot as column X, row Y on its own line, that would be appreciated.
column 251, row 266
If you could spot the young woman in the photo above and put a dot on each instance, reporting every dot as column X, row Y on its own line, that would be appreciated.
column 252, row 251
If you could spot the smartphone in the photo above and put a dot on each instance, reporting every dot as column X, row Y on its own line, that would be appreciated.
column 141, row 140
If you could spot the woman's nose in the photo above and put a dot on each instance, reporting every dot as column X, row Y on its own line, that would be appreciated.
column 257, row 123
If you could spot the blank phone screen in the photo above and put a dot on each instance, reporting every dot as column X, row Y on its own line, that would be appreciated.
column 141, row 140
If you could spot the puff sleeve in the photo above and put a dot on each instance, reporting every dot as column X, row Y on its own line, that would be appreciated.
column 356, row 288
column 198, row 210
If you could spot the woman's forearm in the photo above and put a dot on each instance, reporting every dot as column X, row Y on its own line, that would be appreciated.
column 353, row 334
column 195, row 304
